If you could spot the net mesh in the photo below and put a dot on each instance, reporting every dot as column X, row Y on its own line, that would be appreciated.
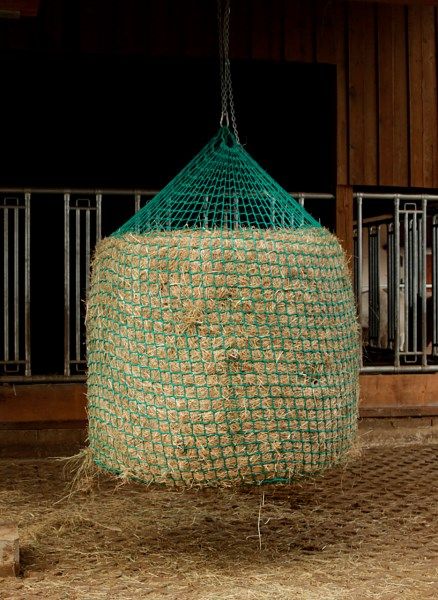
column 222, row 187
column 222, row 334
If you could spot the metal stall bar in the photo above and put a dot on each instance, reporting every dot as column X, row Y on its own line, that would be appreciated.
column 423, row 282
column 411, row 280
column 9, row 358
column 77, row 332
column 67, row 284
column 137, row 200
column 413, row 272
column 15, row 359
column 98, row 217
column 414, row 278
column 87, row 252
column 98, row 234
column 301, row 197
column 356, row 288
column 387, row 196
column 359, row 262
column 406, row 282
column 139, row 194
column 6, row 284
column 83, row 209
column 16, row 286
column 392, row 285
column 397, row 282
column 27, row 336
column 400, row 369
column 435, row 286
column 374, row 285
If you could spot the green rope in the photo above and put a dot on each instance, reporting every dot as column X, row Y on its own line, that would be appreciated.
column 222, row 187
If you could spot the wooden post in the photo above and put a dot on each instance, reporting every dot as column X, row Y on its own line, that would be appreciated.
column 344, row 217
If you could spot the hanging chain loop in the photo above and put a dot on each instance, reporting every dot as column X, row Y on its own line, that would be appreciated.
column 228, row 114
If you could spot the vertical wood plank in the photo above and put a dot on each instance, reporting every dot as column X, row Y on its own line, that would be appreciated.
column 327, row 33
column 52, row 16
column 342, row 95
column 198, row 22
column 363, row 143
column 392, row 91
column 240, row 34
column 386, row 94
column 260, row 25
column 267, row 29
column 429, row 94
column 415, row 96
column 163, row 28
column 276, row 38
column 344, row 217
column 299, row 30
column 401, row 117
column 131, row 27
column 330, row 48
column 96, row 26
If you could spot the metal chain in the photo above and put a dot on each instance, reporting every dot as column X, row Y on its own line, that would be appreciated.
column 220, row 19
column 227, row 100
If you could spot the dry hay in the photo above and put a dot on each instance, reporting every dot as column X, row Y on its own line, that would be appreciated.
column 221, row 357
column 367, row 532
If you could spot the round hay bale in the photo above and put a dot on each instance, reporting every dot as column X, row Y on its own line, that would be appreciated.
column 221, row 357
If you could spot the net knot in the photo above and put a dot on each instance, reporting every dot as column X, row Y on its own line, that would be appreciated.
column 227, row 137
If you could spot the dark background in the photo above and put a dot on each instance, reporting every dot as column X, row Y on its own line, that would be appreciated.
column 130, row 121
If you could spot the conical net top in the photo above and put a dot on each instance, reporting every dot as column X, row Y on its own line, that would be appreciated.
column 222, row 187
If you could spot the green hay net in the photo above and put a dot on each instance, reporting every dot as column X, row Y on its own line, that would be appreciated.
column 222, row 335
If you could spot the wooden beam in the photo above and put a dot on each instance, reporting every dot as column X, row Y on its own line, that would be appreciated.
column 399, row 395
column 401, row 2
column 41, row 443
column 22, row 8
column 36, row 403
column 344, row 217
column 63, row 406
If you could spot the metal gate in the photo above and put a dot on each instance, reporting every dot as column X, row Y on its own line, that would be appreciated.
column 82, row 229
column 395, row 271
column 395, row 279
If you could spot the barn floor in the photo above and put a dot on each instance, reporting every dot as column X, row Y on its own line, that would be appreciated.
column 369, row 530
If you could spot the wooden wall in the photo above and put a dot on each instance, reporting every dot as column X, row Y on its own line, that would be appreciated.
column 386, row 57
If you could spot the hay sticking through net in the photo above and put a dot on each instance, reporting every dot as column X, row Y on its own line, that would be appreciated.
column 222, row 336
column 219, row 356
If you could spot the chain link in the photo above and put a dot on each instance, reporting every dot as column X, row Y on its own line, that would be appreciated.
column 227, row 100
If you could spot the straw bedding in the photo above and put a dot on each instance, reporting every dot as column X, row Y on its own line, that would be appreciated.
column 221, row 357
column 364, row 532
